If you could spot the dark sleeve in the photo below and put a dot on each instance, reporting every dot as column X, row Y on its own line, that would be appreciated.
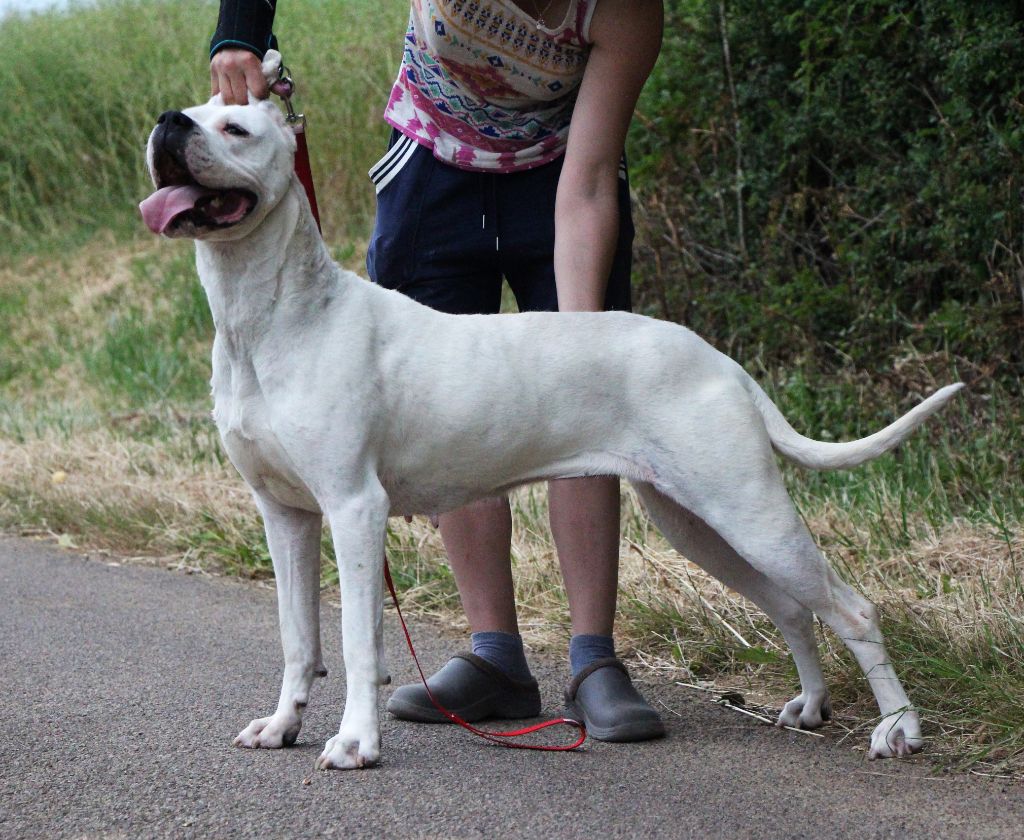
column 245, row 24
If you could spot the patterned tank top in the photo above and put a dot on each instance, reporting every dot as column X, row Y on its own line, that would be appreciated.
column 486, row 86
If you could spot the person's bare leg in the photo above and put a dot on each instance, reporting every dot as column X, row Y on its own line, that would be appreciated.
column 494, row 680
column 478, row 540
column 585, row 524
column 584, row 515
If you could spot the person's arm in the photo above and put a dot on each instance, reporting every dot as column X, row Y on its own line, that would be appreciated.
column 626, row 36
column 244, row 34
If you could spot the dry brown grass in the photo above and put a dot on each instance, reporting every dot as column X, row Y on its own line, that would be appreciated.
column 105, row 490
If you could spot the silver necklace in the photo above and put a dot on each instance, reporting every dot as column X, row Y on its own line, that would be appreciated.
column 539, row 19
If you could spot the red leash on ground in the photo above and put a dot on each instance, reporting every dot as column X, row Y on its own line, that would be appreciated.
column 285, row 87
column 489, row 735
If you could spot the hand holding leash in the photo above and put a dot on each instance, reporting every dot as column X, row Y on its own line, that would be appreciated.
column 234, row 73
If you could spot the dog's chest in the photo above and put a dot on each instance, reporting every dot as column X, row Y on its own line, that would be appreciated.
column 243, row 420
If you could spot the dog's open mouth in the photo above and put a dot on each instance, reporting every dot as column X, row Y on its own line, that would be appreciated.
column 191, row 205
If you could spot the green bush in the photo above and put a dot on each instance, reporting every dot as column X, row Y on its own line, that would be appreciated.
column 829, row 180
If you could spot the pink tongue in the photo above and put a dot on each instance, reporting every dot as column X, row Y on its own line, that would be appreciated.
column 162, row 206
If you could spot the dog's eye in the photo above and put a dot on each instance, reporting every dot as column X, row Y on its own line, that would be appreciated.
column 236, row 130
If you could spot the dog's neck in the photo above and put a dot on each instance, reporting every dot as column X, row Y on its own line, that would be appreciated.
column 248, row 280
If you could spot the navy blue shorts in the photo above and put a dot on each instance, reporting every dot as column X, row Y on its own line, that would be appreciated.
column 446, row 237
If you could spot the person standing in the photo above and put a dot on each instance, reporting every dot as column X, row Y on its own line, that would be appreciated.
column 506, row 161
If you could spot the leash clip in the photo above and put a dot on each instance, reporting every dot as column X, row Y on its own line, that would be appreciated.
column 285, row 88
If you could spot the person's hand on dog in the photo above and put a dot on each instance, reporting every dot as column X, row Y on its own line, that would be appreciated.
column 233, row 73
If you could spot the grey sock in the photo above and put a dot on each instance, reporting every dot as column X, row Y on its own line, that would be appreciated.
column 504, row 651
column 585, row 648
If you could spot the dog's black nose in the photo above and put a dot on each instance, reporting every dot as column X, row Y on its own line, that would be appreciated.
column 175, row 120
column 170, row 137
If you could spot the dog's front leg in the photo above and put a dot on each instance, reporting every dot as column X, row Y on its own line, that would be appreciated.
column 293, row 537
column 358, row 527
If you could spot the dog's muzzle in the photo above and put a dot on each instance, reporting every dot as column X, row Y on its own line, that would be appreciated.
column 170, row 136
column 181, row 205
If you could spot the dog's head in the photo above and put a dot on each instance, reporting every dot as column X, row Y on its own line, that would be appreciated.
column 218, row 169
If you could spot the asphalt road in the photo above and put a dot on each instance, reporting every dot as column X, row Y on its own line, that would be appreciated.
column 121, row 688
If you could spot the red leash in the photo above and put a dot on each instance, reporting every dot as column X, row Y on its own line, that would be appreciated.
column 285, row 87
column 489, row 735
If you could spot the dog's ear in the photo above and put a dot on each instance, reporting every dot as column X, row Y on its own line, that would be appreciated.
column 271, row 66
column 216, row 99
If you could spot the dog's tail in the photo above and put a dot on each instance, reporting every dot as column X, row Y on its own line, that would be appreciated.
column 821, row 455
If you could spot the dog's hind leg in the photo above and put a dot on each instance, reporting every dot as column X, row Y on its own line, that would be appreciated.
column 691, row 536
column 293, row 537
column 358, row 526
column 855, row 620
column 739, row 493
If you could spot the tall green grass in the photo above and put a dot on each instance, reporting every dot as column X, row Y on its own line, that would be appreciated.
column 82, row 90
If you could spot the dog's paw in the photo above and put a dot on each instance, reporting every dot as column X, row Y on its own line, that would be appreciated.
column 898, row 735
column 350, row 752
column 269, row 733
column 806, row 711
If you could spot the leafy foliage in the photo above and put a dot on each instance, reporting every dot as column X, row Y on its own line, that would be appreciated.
column 831, row 179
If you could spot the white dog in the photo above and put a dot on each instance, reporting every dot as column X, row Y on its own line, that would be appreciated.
column 337, row 398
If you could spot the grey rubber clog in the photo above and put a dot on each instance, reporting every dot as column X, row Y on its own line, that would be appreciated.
column 603, row 697
column 472, row 688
